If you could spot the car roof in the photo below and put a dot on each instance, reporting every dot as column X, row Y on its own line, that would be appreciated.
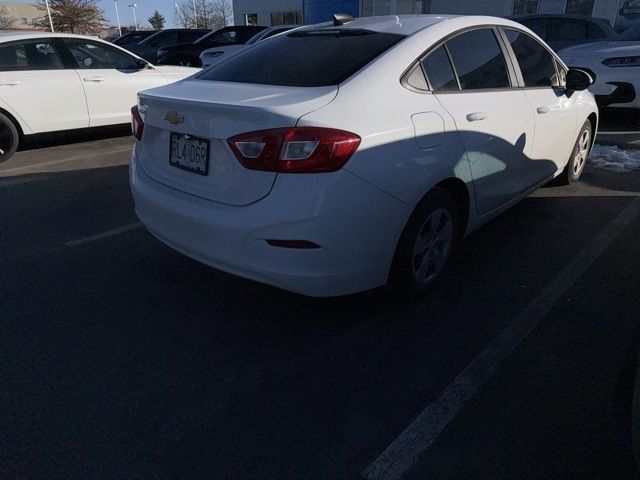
column 399, row 24
column 16, row 35
column 410, row 24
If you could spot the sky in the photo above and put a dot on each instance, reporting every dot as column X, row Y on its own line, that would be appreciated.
column 143, row 11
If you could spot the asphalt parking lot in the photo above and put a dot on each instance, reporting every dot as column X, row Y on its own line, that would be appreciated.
column 121, row 359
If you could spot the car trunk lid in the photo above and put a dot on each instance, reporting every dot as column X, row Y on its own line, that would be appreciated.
column 216, row 111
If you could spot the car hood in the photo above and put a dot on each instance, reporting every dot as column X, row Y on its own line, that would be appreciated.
column 601, row 50
column 223, row 53
column 226, row 49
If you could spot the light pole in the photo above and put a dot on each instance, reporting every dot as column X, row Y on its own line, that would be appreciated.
column 115, row 2
column 178, row 13
column 135, row 21
column 49, row 14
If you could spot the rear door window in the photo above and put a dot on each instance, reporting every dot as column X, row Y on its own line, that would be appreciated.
column 478, row 60
column 310, row 58
column 536, row 63
column 439, row 71
column 29, row 55
column 161, row 39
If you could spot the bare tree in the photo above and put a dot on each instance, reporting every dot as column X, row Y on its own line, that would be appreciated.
column 224, row 11
column 211, row 14
column 74, row 16
column 6, row 22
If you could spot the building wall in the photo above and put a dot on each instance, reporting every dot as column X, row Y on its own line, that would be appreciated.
column 25, row 15
column 263, row 8
column 316, row 11
column 498, row 8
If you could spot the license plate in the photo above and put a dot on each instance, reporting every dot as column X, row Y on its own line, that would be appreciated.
column 189, row 153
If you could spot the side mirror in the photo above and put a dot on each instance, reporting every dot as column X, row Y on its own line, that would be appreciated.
column 141, row 64
column 578, row 80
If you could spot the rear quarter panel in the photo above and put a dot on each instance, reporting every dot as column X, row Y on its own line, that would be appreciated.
column 400, row 152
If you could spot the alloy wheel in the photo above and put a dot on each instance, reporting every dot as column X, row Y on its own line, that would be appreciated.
column 432, row 246
column 582, row 152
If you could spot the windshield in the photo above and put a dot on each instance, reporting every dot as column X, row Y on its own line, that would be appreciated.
column 155, row 36
column 631, row 34
column 309, row 58
column 228, row 36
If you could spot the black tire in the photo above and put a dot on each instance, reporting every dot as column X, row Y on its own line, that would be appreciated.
column 9, row 138
column 575, row 167
column 407, row 278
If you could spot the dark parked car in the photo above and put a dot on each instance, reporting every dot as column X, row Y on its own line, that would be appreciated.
column 561, row 31
column 132, row 38
column 188, row 54
column 148, row 48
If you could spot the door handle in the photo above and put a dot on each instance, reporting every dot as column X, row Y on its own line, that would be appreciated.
column 9, row 83
column 542, row 110
column 93, row 79
column 476, row 116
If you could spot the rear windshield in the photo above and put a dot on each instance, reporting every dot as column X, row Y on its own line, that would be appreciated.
column 314, row 58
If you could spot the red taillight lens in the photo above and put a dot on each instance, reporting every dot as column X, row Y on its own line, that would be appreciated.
column 295, row 150
column 137, row 125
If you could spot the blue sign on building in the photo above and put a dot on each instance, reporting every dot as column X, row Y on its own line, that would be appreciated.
column 316, row 11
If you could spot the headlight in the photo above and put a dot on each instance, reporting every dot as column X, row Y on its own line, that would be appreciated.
column 622, row 62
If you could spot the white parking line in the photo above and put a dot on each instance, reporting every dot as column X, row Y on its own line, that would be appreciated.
column 108, row 233
column 405, row 450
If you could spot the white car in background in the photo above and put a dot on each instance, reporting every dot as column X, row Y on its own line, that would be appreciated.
column 216, row 55
column 51, row 82
column 339, row 158
column 613, row 65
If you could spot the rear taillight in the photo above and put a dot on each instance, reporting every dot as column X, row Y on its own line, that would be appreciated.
column 137, row 124
column 295, row 150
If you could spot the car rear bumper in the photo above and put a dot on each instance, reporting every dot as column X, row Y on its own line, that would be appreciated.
column 355, row 224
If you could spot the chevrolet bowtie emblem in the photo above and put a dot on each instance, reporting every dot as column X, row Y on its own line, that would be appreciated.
column 174, row 118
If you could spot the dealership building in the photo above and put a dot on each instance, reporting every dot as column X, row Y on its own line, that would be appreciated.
column 620, row 13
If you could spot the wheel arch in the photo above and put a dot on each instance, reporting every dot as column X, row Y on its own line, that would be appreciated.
column 15, row 121
column 460, row 192
column 593, row 119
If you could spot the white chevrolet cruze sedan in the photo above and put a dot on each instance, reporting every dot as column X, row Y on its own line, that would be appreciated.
column 51, row 82
column 339, row 158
